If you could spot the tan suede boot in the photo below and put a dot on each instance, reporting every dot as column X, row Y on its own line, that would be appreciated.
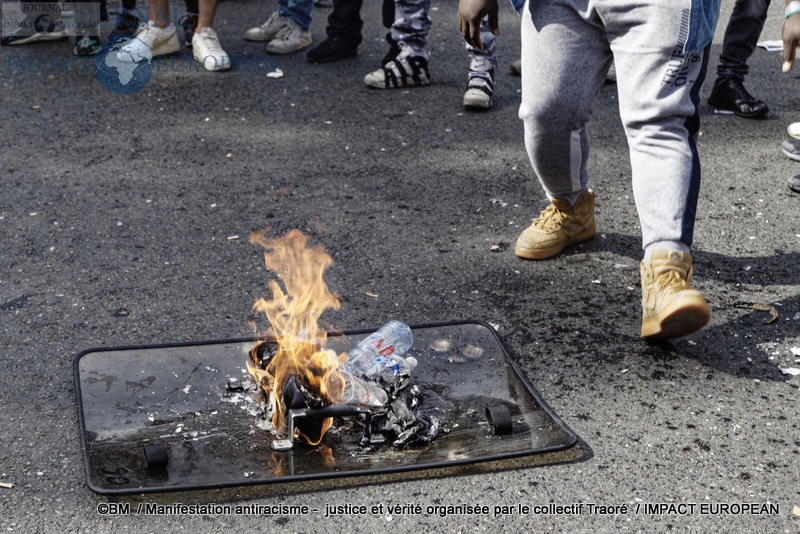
column 556, row 227
column 670, row 307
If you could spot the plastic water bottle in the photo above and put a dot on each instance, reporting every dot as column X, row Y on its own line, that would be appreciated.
column 344, row 388
column 392, row 365
column 392, row 339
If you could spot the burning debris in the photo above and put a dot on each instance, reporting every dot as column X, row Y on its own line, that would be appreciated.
column 303, row 380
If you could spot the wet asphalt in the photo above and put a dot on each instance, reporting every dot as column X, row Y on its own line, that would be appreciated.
column 119, row 217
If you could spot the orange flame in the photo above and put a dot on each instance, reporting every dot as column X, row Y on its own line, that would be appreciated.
column 293, row 317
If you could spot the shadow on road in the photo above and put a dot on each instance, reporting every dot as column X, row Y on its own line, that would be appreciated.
column 740, row 344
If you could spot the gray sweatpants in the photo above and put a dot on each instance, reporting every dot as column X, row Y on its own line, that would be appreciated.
column 567, row 47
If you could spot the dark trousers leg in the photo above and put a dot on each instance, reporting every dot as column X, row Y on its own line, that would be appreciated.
column 87, row 17
column 344, row 21
column 387, row 13
column 741, row 37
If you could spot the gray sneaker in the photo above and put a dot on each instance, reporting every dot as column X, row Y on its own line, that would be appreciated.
column 791, row 148
column 268, row 30
column 291, row 38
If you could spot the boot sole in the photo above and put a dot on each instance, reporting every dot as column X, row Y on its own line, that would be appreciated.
column 682, row 319
column 291, row 50
column 753, row 115
column 544, row 253
column 333, row 57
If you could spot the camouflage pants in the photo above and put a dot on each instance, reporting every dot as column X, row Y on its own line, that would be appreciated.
column 412, row 24
column 489, row 44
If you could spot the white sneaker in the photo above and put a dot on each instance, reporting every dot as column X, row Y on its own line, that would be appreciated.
column 403, row 71
column 480, row 84
column 290, row 38
column 268, row 30
column 159, row 41
column 208, row 52
column 794, row 130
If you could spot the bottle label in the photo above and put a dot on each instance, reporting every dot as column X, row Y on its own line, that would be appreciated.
column 385, row 351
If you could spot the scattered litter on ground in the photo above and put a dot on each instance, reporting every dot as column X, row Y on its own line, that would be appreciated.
column 773, row 313
column 796, row 511
column 277, row 73
column 371, row 294
column 791, row 371
column 9, row 485
column 795, row 351
column 232, row 237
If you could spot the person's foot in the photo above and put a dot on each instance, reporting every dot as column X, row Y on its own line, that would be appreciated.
column 791, row 149
column 127, row 23
column 794, row 130
column 188, row 24
column 730, row 95
column 480, row 84
column 86, row 45
column 558, row 226
column 393, row 52
column 670, row 307
column 266, row 31
column 290, row 38
column 208, row 51
column 405, row 71
column 516, row 67
column 159, row 42
column 35, row 28
column 794, row 183
column 332, row 49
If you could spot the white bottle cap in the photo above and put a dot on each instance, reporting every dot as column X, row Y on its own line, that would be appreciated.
column 411, row 362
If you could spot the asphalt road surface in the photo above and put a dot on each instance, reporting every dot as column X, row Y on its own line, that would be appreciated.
column 117, row 214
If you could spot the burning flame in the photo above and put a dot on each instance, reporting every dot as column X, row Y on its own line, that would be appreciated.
column 293, row 317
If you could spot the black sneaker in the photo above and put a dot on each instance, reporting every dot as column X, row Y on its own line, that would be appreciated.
column 189, row 24
column 86, row 45
column 730, row 95
column 791, row 149
column 393, row 52
column 331, row 49
column 794, row 183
